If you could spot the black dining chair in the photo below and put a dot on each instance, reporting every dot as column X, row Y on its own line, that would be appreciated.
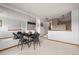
column 22, row 40
column 35, row 39
column 15, row 36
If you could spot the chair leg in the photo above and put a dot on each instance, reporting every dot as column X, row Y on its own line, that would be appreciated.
column 39, row 43
column 28, row 45
column 18, row 44
column 22, row 47
column 34, row 45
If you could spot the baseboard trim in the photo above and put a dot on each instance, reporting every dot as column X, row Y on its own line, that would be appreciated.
column 6, row 37
column 43, row 34
column 8, row 48
column 64, row 42
column 48, row 39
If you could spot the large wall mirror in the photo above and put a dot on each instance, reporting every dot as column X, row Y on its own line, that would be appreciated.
column 62, row 23
column 31, row 25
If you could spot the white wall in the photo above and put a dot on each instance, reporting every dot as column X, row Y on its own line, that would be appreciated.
column 7, row 43
column 68, row 36
column 10, row 19
column 31, row 27
column 9, row 24
column 44, row 29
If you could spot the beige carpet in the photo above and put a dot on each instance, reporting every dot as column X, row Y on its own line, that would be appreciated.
column 47, row 47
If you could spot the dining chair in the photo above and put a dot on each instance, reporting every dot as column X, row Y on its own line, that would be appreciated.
column 22, row 40
column 35, row 39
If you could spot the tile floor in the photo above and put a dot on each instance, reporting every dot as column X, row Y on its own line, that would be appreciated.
column 47, row 47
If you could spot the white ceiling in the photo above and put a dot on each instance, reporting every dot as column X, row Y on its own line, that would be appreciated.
column 45, row 9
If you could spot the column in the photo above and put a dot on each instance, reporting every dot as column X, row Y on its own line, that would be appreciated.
column 38, row 25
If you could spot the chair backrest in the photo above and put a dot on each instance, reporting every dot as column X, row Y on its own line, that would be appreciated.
column 18, row 36
column 15, row 36
column 36, row 35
